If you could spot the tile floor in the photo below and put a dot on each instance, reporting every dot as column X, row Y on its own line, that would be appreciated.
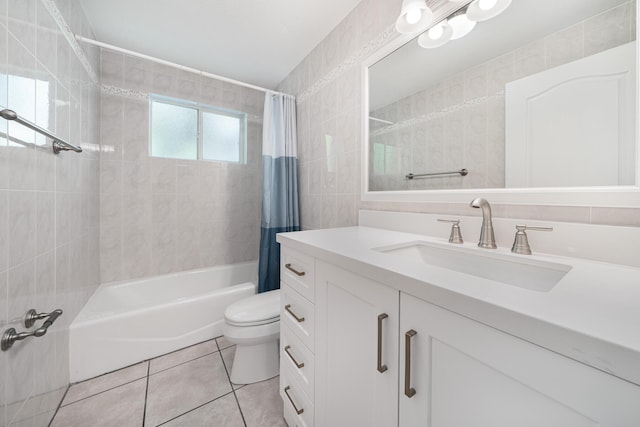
column 189, row 387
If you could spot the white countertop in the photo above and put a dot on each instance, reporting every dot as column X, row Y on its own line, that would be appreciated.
column 591, row 315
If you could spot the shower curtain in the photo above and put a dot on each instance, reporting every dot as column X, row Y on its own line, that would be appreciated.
column 279, row 184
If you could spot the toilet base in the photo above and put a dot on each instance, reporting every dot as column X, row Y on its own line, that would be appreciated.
column 257, row 362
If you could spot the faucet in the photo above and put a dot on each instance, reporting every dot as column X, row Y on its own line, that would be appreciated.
column 487, row 239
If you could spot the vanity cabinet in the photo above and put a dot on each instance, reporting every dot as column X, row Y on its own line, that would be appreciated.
column 375, row 356
column 297, row 337
column 465, row 374
column 356, row 350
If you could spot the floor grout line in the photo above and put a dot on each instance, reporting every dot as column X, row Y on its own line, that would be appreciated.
column 149, row 375
column 111, row 372
column 146, row 395
column 136, row 379
column 59, row 406
column 193, row 409
column 181, row 349
column 99, row 393
column 230, row 383
column 235, row 387
column 240, row 408
column 182, row 363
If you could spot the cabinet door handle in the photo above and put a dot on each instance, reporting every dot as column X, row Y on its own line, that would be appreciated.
column 408, row 390
column 299, row 273
column 298, row 411
column 298, row 319
column 298, row 365
column 381, row 367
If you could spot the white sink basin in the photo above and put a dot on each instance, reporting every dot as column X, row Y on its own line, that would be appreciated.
column 514, row 270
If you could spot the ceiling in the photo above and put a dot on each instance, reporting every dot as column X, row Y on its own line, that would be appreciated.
column 254, row 41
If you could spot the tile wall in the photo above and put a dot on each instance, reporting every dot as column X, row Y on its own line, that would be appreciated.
column 161, row 215
column 327, row 84
column 459, row 122
column 49, row 220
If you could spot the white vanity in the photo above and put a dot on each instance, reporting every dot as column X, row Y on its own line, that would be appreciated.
column 389, row 338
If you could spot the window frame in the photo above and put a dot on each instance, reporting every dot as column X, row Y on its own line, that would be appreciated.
column 201, row 109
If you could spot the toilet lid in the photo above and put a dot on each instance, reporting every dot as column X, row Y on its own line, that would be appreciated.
column 255, row 310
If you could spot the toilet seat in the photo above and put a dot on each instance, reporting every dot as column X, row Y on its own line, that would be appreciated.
column 253, row 335
column 256, row 310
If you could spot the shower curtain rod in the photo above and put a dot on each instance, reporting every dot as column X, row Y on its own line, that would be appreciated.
column 173, row 64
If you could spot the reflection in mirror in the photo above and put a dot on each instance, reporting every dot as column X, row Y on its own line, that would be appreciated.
column 541, row 96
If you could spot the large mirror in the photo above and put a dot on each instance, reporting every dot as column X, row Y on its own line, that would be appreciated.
column 542, row 96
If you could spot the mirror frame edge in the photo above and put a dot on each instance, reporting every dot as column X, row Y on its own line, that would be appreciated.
column 618, row 196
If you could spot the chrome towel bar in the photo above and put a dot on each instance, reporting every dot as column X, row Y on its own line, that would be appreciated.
column 58, row 144
column 10, row 335
column 461, row 172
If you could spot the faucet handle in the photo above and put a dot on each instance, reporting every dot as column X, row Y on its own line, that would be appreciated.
column 521, row 242
column 456, row 235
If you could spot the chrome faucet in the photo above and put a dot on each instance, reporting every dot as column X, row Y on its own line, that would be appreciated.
column 487, row 239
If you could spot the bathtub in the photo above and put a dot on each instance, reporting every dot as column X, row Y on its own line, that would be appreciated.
column 127, row 322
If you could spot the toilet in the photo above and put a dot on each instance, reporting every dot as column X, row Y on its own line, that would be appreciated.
column 253, row 324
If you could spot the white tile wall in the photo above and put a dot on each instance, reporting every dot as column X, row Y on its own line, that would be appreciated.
column 49, row 221
column 164, row 215
column 323, row 122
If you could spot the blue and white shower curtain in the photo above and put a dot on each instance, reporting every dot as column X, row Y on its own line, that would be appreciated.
column 279, row 184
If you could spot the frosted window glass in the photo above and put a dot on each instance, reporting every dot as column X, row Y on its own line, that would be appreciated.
column 378, row 158
column 221, row 137
column 22, row 97
column 174, row 131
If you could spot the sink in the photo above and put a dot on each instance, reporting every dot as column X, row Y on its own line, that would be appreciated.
column 514, row 270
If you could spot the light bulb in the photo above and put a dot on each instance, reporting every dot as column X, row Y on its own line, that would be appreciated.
column 413, row 16
column 437, row 36
column 487, row 4
column 436, row 32
column 483, row 10
column 461, row 26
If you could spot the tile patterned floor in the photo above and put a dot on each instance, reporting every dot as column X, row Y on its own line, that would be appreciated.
column 186, row 388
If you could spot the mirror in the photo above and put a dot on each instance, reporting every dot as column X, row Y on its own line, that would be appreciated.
column 542, row 96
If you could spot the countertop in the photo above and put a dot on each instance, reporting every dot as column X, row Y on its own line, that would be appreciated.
column 591, row 315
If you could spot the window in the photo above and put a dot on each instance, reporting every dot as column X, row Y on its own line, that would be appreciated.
column 187, row 130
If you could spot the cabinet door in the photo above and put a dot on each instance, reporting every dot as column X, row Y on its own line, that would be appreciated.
column 467, row 374
column 355, row 386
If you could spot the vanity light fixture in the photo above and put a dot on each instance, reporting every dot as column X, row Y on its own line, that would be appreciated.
column 414, row 17
column 458, row 25
column 483, row 10
column 461, row 24
column 437, row 36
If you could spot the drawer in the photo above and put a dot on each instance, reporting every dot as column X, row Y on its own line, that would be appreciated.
column 295, row 396
column 297, row 270
column 298, row 314
column 298, row 359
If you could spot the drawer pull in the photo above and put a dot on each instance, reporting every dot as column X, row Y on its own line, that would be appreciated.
column 408, row 390
column 298, row 273
column 293, row 359
column 381, row 368
column 298, row 319
column 298, row 411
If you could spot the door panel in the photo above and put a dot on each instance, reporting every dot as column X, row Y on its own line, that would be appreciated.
column 469, row 374
column 351, row 390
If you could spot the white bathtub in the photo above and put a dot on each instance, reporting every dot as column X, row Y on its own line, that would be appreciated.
column 127, row 322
